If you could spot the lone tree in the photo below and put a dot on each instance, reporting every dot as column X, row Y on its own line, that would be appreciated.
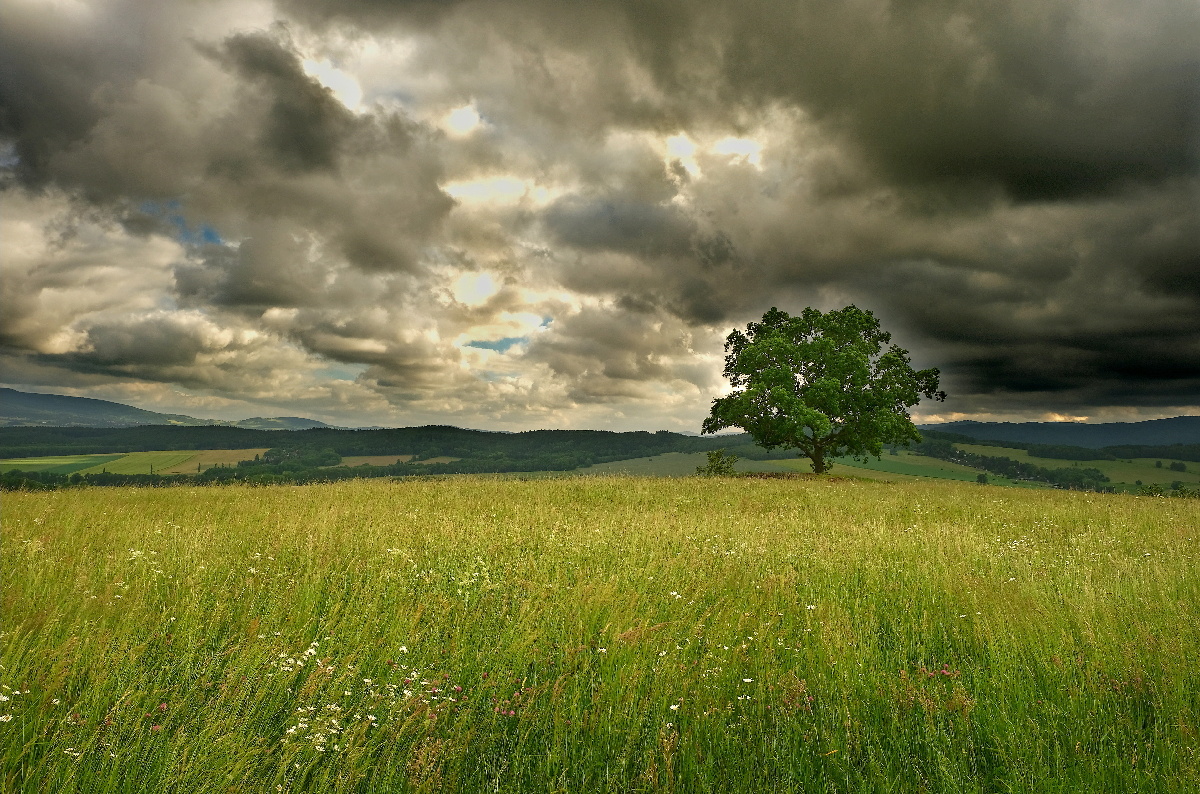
column 822, row 384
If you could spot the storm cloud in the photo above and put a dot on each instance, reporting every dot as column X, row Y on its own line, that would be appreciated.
column 526, row 213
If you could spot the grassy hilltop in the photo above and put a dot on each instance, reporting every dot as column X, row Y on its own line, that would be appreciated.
column 599, row 634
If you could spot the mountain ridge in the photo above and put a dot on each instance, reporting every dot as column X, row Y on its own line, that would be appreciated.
column 1151, row 432
column 37, row 409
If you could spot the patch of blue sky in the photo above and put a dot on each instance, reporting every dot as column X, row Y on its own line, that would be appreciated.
column 499, row 345
column 185, row 233
column 341, row 371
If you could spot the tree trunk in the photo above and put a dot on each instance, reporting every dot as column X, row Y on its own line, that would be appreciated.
column 819, row 465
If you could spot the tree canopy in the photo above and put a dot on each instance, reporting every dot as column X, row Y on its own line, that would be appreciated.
column 821, row 383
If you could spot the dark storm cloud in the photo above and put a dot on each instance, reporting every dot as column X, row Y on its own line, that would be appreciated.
column 271, row 268
column 305, row 126
column 1041, row 100
column 1045, row 100
column 49, row 71
column 642, row 229
column 1011, row 187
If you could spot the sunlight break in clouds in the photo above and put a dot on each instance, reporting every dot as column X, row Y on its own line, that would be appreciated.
column 462, row 121
column 343, row 85
column 744, row 148
column 680, row 147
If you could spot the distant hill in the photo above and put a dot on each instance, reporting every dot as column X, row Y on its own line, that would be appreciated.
column 1155, row 432
column 30, row 409
column 27, row 409
column 278, row 423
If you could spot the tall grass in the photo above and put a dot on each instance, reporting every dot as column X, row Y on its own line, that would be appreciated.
column 607, row 634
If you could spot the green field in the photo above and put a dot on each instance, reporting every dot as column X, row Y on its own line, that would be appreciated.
column 56, row 464
column 142, row 462
column 1119, row 471
column 595, row 634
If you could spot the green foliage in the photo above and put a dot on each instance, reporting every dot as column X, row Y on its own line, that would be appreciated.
column 822, row 383
column 720, row 464
column 1177, row 465
column 1063, row 452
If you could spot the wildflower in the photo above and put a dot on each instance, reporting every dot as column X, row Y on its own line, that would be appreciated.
column 156, row 727
column 6, row 718
column 811, row 606
column 674, row 707
column 747, row 680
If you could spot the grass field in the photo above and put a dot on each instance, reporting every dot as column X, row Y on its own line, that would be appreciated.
column 141, row 463
column 211, row 457
column 599, row 634
column 56, row 464
column 1118, row 471
column 374, row 460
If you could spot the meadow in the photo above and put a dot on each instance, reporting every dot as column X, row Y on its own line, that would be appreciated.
column 591, row 634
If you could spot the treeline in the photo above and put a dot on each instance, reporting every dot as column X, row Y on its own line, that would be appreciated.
column 1075, row 478
column 17, row 480
column 1068, row 452
column 583, row 446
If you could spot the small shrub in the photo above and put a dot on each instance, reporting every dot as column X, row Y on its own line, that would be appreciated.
column 720, row 464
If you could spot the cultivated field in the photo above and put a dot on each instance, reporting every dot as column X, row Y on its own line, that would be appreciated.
column 211, row 457
column 599, row 634
column 374, row 460
column 145, row 463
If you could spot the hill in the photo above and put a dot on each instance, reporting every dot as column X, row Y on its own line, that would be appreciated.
column 31, row 409
column 1155, row 432
column 28, row 409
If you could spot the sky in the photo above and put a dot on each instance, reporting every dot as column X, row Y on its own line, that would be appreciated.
column 520, row 214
